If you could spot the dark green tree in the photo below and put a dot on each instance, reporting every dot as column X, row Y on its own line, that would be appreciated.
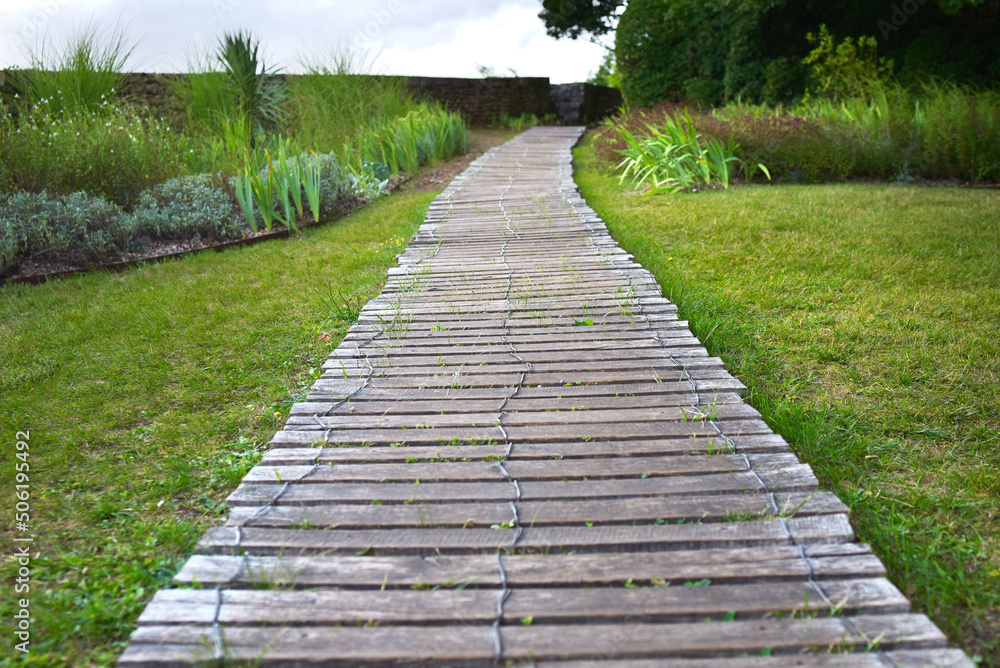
column 712, row 50
column 572, row 18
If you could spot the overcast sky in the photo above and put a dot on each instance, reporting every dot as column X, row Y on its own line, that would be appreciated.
column 450, row 38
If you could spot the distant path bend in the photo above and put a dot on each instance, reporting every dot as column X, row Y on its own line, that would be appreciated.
column 519, row 455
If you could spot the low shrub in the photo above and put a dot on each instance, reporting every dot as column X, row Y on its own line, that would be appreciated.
column 184, row 208
column 77, row 228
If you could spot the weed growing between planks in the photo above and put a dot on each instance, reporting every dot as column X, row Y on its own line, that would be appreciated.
column 150, row 393
column 861, row 319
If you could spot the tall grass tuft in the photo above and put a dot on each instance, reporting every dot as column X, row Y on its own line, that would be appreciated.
column 85, row 73
column 337, row 96
column 207, row 102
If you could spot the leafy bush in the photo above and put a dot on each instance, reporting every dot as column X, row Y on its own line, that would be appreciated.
column 942, row 130
column 77, row 228
column 287, row 185
column 957, row 130
column 846, row 69
column 111, row 151
column 183, row 208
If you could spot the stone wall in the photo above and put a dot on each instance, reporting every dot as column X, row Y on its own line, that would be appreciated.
column 483, row 101
column 582, row 103
column 479, row 101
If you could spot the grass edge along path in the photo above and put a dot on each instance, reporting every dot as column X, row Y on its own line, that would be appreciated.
column 148, row 395
column 863, row 321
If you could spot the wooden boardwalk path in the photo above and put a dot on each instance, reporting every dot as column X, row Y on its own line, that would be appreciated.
column 520, row 456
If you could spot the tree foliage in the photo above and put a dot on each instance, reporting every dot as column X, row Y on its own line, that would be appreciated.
column 707, row 51
column 572, row 18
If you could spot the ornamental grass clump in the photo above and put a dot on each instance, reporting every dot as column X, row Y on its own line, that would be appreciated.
column 81, row 76
column 425, row 133
column 676, row 157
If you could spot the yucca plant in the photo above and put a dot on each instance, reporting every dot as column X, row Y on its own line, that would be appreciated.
column 259, row 94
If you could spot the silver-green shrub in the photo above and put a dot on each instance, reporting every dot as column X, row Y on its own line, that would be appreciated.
column 76, row 229
column 185, row 208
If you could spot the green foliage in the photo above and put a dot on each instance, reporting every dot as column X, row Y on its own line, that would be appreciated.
column 111, row 151
column 694, row 49
column 570, row 18
column 607, row 72
column 426, row 133
column 183, row 208
column 522, row 122
column 957, row 130
column 80, row 77
column 207, row 101
column 336, row 97
column 677, row 157
column 279, row 190
column 941, row 131
column 259, row 94
column 76, row 228
column 847, row 69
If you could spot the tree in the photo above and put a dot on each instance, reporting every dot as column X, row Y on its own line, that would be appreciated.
column 572, row 18
column 712, row 50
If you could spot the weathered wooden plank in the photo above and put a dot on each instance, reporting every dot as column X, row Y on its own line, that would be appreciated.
column 734, row 638
column 521, row 470
column 705, row 508
column 543, row 606
column 268, row 541
column 742, row 565
column 362, row 406
column 753, row 444
column 934, row 658
column 342, row 645
column 705, row 387
column 325, row 493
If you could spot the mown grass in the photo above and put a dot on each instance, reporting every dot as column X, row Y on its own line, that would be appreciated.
column 149, row 394
column 863, row 319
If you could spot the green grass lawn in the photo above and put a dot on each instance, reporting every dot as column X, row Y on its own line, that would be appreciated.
column 865, row 321
column 148, row 395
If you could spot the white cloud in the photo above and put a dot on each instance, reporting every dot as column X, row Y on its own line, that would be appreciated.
column 416, row 37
